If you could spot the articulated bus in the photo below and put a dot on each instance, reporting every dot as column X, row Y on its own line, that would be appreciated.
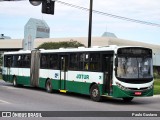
column 119, row 72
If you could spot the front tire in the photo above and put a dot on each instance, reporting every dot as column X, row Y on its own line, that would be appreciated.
column 49, row 86
column 95, row 93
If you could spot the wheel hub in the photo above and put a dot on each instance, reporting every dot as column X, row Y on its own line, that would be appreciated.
column 48, row 86
column 95, row 93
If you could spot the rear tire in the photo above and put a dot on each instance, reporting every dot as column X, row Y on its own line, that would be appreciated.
column 49, row 86
column 128, row 99
column 95, row 93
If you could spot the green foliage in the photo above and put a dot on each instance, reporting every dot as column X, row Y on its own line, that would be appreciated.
column 156, row 86
column 156, row 72
column 57, row 45
column 156, row 75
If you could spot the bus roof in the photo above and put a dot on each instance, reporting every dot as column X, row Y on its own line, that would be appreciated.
column 79, row 49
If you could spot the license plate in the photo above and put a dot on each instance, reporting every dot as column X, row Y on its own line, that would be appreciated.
column 138, row 93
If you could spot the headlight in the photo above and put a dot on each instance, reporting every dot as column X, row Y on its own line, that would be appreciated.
column 121, row 86
column 150, row 87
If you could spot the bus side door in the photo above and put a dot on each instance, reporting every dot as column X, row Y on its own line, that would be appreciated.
column 63, row 71
column 107, row 67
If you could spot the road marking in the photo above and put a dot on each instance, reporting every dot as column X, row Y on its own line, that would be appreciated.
column 4, row 101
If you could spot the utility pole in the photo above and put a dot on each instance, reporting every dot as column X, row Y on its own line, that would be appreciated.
column 90, row 24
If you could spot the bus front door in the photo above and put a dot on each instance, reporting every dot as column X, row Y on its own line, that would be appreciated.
column 107, row 64
column 34, row 69
column 63, row 72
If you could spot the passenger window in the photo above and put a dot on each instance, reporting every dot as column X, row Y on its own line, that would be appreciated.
column 94, row 62
column 84, row 61
column 74, row 64
column 44, row 61
column 8, row 61
column 53, row 61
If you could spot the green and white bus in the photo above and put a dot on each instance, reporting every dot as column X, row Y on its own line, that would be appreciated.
column 120, row 72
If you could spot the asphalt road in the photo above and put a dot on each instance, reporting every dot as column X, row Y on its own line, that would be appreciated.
column 34, row 99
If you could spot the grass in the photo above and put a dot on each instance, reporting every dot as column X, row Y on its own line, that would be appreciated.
column 156, row 86
column 0, row 77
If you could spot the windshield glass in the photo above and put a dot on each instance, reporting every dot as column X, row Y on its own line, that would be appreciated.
column 134, row 67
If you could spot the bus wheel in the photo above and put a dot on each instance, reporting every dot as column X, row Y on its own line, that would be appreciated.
column 128, row 99
column 15, row 82
column 49, row 86
column 95, row 93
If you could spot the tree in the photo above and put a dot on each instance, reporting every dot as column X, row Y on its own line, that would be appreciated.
column 57, row 45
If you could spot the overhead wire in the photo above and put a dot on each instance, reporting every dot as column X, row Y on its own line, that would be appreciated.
column 109, row 15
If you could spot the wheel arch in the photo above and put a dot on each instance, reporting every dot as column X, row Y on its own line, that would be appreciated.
column 14, row 76
column 47, row 80
column 93, row 83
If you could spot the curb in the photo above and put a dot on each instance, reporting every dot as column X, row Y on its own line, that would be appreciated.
column 156, row 96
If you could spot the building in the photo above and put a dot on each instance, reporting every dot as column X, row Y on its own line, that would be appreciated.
column 34, row 28
column 109, row 34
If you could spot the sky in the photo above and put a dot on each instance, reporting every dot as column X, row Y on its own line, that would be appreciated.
column 72, row 22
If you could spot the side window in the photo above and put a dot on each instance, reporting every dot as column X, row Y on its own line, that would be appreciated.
column 8, row 61
column 89, row 61
column 26, row 61
column 53, row 61
column 15, row 61
column 74, row 64
column 94, row 62
column 84, row 61
column 20, row 61
column 44, row 61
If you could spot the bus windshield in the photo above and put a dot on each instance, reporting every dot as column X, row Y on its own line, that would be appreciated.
column 134, row 67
